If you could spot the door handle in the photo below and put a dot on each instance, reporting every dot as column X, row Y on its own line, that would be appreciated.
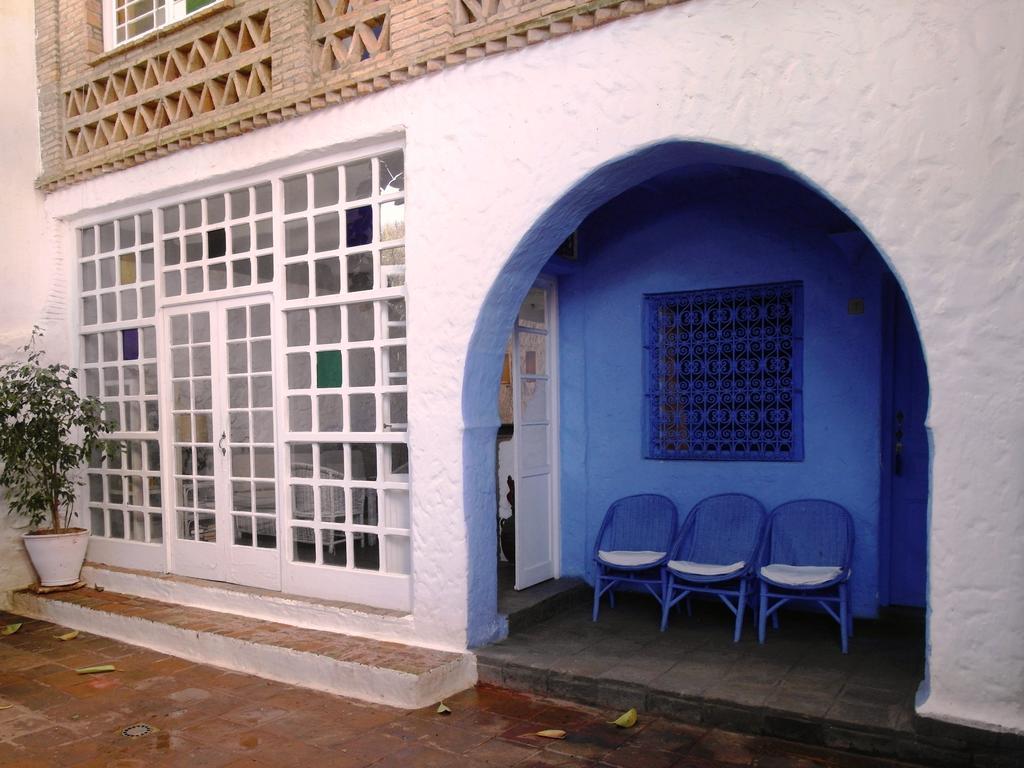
column 220, row 443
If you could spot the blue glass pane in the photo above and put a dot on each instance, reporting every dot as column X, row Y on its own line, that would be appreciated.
column 358, row 226
column 130, row 344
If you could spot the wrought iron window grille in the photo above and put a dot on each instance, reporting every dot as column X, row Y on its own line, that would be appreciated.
column 724, row 373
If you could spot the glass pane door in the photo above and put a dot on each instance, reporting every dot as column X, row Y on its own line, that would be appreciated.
column 222, row 438
column 533, row 384
column 192, row 444
column 250, row 488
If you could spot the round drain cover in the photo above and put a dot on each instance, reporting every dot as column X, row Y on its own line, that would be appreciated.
column 134, row 731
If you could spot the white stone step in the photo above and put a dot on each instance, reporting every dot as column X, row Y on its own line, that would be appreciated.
column 324, row 615
column 371, row 670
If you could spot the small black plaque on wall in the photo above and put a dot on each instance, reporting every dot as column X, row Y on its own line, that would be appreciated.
column 569, row 249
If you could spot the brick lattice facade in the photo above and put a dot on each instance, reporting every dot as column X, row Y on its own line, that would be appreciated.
column 242, row 64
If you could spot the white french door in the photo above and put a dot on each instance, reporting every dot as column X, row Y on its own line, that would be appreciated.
column 223, row 506
column 534, row 387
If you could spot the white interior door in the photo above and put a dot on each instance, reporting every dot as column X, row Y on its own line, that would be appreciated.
column 224, row 515
column 534, row 387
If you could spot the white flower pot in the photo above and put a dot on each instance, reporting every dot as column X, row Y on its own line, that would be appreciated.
column 57, row 557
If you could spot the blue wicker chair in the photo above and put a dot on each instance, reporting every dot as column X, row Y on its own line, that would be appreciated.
column 808, row 547
column 633, row 544
column 715, row 554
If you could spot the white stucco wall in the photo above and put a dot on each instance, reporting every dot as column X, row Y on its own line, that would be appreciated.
column 910, row 115
column 24, row 263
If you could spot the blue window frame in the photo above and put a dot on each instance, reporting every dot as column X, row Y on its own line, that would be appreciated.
column 724, row 373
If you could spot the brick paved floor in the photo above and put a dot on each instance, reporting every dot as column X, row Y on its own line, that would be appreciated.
column 203, row 716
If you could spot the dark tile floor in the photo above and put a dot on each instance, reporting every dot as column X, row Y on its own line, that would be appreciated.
column 695, row 672
column 527, row 607
column 800, row 668
column 202, row 716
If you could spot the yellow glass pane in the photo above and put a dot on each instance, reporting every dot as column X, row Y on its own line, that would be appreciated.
column 127, row 268
column 182, row 427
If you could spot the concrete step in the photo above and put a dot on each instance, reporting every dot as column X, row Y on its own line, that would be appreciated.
column 378, row 671
column 265, row 604
column 798, row 686
column 539, row 603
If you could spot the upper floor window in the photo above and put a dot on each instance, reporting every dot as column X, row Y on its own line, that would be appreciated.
column 724, row 373
column 127, row 19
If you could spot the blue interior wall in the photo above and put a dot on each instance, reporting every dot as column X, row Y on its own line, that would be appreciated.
column 697, row 232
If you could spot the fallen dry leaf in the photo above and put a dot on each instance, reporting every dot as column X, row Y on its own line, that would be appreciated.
column 10, row 629
column 67, row 635
column 443, row 709
column 625, row 720
column 6, row 706
column 552, row 733
column 96, row 669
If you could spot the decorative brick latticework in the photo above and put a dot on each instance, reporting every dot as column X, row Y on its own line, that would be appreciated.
column 238, row 65
column 171, row 87
column 469, row 11
column 349, row 32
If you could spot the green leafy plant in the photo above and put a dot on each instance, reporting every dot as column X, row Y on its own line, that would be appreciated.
column 47, row 431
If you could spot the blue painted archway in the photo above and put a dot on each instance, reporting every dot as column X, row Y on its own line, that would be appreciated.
column 596, row 192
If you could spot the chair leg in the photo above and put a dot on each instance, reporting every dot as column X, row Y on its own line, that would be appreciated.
column 752, row 598
column 762, row 614
column 844, row 619
column 597, row 593
column 741, row 603
column 775, row 621
column 689, row 606
column 666, row 599
column 611, row 597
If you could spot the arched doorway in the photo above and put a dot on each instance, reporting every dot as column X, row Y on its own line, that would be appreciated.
column 683, row 217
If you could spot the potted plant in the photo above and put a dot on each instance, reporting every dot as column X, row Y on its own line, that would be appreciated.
column 47, row 431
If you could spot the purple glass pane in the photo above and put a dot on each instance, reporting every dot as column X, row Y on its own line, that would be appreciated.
column 130, row 344
column 358, row 225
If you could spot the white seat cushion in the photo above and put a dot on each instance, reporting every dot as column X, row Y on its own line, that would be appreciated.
column 630, row 558
column 800, row 575
column 687, row 568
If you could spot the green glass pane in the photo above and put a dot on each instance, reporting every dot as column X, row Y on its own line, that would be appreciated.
column 195, row 5
column 328, row 368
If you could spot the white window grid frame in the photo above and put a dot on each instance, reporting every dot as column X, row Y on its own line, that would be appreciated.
column 195, row 480
column 363, row 584
column 255, row 256
column 132, row 480
column 388, row 486
column 252, row 443
column 166, row 11
column 220, row 411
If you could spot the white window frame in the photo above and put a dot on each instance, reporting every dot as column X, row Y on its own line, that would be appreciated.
column 131, row 553
column 382, row 589
column 390, row 590
column 174, row 10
